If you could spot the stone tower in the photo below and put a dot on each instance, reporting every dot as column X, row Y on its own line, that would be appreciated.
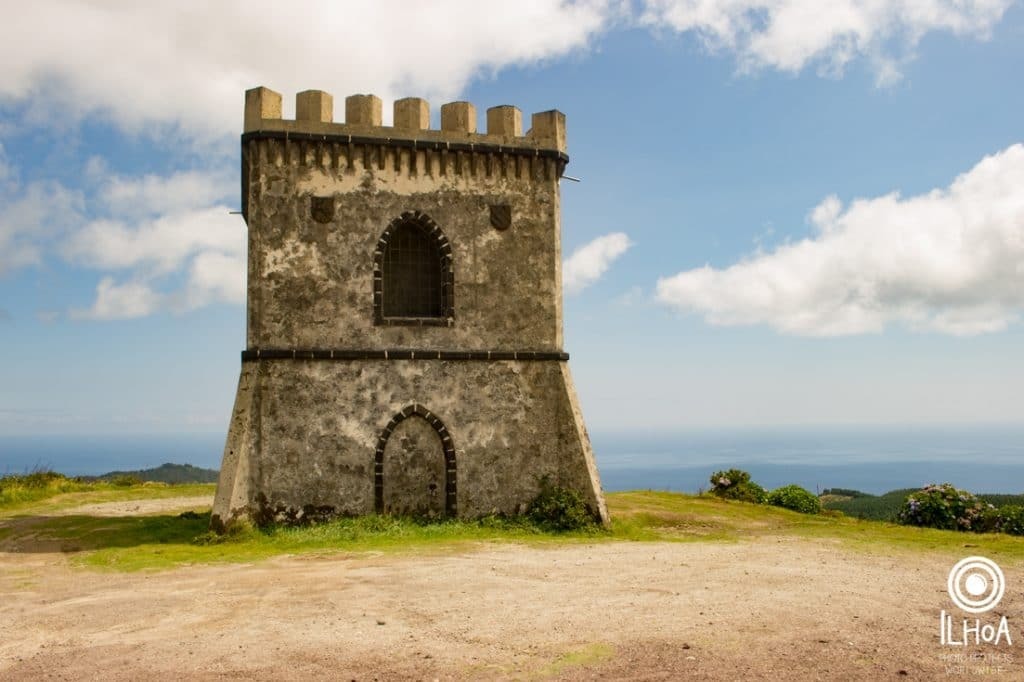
column 404, row 328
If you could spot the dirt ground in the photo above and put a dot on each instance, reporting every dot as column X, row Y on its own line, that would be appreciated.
column 773, row 608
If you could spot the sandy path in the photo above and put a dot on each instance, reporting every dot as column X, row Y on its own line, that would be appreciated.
column 766, row 609
column 138, row 507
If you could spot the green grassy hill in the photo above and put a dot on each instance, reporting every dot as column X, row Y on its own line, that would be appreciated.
column 866, row 506
column 863, row 505
column 166, row 473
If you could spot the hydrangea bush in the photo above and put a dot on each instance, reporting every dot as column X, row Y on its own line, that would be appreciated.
column 945, row 507
column 796, row 498
column 735, row 484
column 1008, row 519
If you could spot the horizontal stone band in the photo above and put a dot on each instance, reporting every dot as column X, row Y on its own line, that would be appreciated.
column 253, row 355
column 435, row 145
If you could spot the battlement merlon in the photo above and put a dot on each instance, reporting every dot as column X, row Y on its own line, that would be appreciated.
column 314, row 116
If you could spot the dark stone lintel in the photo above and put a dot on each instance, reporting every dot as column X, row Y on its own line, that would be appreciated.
column 255, row 354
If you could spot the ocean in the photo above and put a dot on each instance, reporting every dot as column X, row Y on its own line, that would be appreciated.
column 873, row 459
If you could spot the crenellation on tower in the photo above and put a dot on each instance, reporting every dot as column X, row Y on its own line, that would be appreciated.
column 363, row 110
column 314, row 105
column 411, row 122
column 505, row 121
column 411, row 113
column 548, row 129
column 458, row 117
column 261, row 104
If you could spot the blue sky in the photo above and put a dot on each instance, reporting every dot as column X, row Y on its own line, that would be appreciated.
column 791, row 212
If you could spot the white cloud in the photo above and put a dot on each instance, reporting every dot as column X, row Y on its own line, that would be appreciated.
column 120, row 301
column 207, row 244
column 216, row 276
column 160, row 195
column 31, row 216
column 154, row 228
column 150, row 228
column 589, row 262
column 187, row 63
column 950, row 261
column 161, row 244
column 789, row 35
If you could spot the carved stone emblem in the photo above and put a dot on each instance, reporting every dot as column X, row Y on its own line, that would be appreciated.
column 322, row 209
column 501, row 216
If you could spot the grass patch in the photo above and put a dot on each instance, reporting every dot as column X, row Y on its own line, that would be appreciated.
column 79, row 533
column 163, row 541
column 24, row 493
column 101, row 494
column 668, row 516
column 588, row 655
column 175, row 541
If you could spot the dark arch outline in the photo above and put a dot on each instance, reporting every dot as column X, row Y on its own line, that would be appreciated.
column 427, row 224
column 416, row 409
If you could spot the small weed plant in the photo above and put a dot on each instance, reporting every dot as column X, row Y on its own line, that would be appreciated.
column 559, row 509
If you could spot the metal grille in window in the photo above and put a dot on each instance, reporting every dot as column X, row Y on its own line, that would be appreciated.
column 412, row 271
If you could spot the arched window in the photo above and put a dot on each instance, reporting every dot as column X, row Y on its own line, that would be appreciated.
column 413, row 273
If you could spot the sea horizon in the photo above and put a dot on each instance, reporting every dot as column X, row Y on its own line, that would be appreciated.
column 874, row 459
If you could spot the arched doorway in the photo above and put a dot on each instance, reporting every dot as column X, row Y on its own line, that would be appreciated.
column 414, row 471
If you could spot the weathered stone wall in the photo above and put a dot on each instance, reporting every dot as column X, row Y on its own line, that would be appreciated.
column 311, row 283
column 318, row 425
column 319, row 428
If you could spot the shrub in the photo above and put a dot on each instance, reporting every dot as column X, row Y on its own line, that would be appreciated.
column 559, row 509
column 125, row 480
column 1011, row 520
column 735, row 484
column 944, row 507
column 1008, row 519
column 238, row 530
column 796, row 498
